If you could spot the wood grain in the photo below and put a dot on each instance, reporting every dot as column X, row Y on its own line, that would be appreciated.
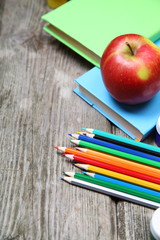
column 37, row 111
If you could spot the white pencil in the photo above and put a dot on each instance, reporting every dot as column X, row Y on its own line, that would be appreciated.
column 111, row 192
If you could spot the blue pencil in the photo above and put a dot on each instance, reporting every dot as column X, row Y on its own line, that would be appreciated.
column 122, row 183
column 126, row 141
column 116, row 147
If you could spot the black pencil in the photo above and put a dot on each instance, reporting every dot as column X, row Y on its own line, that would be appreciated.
column 129, row 143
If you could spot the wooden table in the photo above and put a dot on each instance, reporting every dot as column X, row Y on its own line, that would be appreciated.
column 38, row 110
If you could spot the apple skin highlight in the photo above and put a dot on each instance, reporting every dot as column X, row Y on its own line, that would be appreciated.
column 130, row 68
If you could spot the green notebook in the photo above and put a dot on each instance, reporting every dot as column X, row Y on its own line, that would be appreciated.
column 87, row 26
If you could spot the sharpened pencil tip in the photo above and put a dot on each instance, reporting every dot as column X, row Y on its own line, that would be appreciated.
column 77, row 164
column 90, row 130
column 75, row 141
column 81, row 166
column 61, row 148
column 70, row 156
column 75, row 135
column 81, row 149
column 82, row 133
column 67, row 179
column 70, row 174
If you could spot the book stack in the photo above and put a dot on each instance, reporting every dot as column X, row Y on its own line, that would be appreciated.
column 87, row 27
column 129, row 118
column 116, row 166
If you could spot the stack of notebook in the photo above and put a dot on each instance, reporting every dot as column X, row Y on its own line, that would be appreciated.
column 87, row 26
column 112, row 165
column 116, row 166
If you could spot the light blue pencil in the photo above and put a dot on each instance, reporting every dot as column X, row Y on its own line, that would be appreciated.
column 137, row 144
column 122, row 183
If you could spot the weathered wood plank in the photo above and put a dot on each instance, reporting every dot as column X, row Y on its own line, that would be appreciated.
column 37, row 111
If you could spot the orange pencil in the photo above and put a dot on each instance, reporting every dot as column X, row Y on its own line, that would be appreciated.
column 121, row 169
column 113, row 160
column 112, row 168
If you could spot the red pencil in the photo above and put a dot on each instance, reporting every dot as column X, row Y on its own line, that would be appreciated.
column 114, row 160
column 112, row 168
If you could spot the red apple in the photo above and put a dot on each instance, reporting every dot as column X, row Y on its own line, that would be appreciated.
column 130, row 68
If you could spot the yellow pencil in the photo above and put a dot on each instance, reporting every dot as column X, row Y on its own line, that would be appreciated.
column 120, row 176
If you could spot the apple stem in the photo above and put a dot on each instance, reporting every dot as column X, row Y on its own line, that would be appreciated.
column 130, row 48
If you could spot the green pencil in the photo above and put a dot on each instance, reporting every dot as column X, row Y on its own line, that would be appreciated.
column 116, row 152
column 111, row 192
column 114, row 186
column 126, row 141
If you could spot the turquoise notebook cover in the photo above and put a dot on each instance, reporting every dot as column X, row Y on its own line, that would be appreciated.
column 142, row 116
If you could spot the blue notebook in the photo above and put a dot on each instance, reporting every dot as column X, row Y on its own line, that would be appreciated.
column 136, row 120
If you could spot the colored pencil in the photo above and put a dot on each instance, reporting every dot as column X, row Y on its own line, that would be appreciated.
column 130, row 185
column 126, row 141
column 111, row 192
column 119, row 176
column 115, row 146
column 113, row 185
column 95, row 155
column 115, row 169
column 116, row 152
column 112, row 163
